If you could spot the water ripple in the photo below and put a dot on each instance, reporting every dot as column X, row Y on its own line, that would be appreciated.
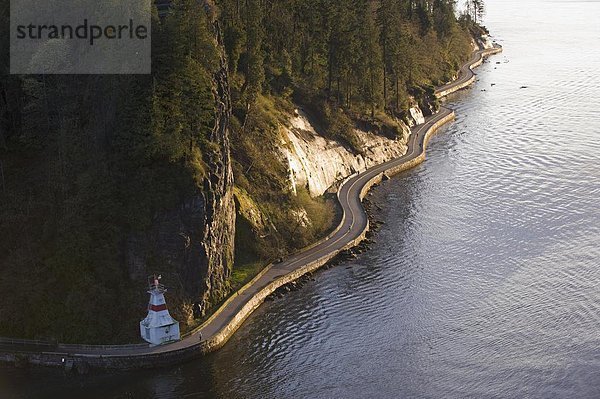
column 483, row 283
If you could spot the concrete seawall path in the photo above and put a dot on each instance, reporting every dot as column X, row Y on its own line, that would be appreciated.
column 230, row 316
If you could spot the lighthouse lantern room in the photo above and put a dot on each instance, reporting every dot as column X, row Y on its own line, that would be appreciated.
column 158, row 327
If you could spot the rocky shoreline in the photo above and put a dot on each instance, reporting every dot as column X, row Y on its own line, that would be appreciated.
column 273, row 281
column 352, row 253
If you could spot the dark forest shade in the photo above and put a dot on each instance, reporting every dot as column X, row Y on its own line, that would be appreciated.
column 107, row 178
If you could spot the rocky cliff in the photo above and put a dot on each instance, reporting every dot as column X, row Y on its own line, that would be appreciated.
column 194, row 241
column 93, row 201
column 107, row 179
column 318, row 163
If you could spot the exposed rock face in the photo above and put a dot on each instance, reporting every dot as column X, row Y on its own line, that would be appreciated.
column 317, row 163
column 249, row 210
column 195, row 240
column 415, row 116
column 219, row 231
column 486, row 42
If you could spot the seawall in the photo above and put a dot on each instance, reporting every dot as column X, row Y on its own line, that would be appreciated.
column 83, row 358
column 470, row 77
column 71, row 358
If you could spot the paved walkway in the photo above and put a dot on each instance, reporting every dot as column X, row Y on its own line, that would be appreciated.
column 353, row 226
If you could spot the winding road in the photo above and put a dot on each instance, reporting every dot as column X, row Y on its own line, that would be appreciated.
column 219, row 328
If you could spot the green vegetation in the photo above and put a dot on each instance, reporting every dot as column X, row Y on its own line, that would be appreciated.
column 244, row 273
column 262, row 184
column 348, row 63
column 475, row 10
column 88, row 164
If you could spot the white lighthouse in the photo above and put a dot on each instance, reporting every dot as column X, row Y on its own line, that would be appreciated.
column 158, row 327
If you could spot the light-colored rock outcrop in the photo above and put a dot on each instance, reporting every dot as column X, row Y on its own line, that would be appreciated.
column 486, row 42
column 318, row 163
column 415, row 116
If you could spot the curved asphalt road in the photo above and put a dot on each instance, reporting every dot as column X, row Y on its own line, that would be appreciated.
column 466, row 71
column 354, row 224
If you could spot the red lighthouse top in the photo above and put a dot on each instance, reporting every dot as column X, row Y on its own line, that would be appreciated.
column 155, row 285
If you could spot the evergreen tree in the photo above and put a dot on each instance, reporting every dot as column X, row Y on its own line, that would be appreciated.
column 255, row 74
column 476, row 9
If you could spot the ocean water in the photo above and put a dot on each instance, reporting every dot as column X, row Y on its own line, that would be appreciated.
column 483, row 282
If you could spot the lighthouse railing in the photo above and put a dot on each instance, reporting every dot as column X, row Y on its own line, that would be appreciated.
column 158, row 287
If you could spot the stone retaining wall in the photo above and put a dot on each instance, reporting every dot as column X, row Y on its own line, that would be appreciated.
column 470, row 81
column 82, row 362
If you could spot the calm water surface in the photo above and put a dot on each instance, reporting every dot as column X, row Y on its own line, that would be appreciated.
column 484, row 281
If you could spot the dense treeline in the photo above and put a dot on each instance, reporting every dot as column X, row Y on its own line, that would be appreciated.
column 88, row 163
column 344, row 61
column 364, row 55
